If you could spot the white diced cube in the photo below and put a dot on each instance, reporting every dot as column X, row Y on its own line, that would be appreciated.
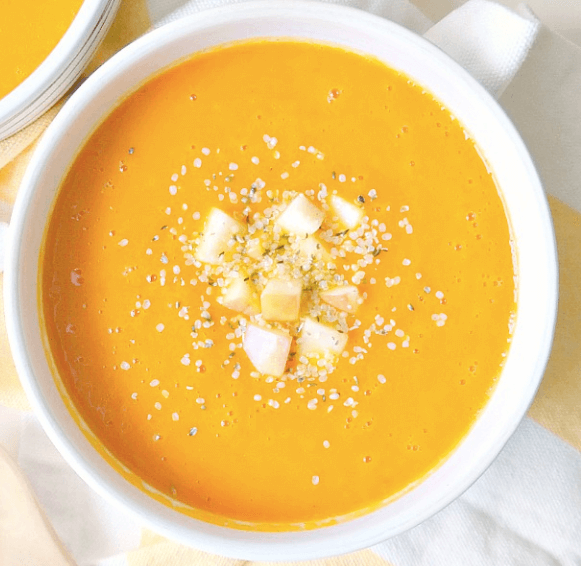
column 219, row 229
column 345, row 298
column 312, row 248
column 301, row 217
column 349, row 214
column 268, row 350
column 281, row 300
column 240, row 297
column 319, row 339
column 254, row 248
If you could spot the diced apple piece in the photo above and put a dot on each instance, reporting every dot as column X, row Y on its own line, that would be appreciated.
column 311, row 247
column 344, row 298
column 281, row 300
column 349, row 214
column 317, row 338
column 218, row 231
column 301, row 217
column 240, row 297
column 267, row 349
column 254, row 248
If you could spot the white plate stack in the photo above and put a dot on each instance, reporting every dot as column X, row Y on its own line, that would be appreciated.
column 59, row 71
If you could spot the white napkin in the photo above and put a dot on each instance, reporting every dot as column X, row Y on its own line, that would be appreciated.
column 526, row 509
column 544, row 102
column 488, row 40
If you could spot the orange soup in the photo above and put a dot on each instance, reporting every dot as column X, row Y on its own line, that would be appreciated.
column 278, row 284
column 29, row 31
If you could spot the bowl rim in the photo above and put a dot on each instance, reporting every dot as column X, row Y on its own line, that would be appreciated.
column 270, row 543
column 29, row 93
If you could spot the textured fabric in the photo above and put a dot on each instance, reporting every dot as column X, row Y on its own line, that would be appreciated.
column 488, row 40
column 13, row 146
column 557, row 404
column 526, row 509
column 551, row 72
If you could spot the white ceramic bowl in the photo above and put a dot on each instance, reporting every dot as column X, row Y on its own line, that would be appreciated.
column 59, row 71
column 469, row 102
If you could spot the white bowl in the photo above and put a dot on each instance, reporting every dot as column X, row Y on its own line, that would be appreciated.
column 468, row 101
column 59, row 71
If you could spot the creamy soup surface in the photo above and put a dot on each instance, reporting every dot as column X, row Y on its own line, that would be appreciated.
column 29, row 31
column 278, row 284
